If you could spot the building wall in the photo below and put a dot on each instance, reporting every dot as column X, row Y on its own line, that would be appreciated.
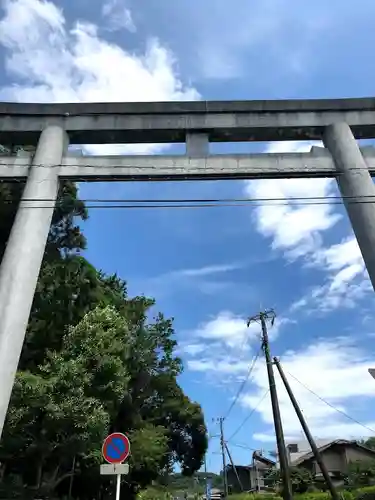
column 250, row 478
column 337, row 458
column 354, row 454
column 245, row 478
column 334, row 459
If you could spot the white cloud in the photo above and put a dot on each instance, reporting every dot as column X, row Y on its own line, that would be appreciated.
column 226, row 365
column 228, row 328
column 206, row 280
column 56, row 63
column 346, row 281
column 298, row 231
column 207, row 270
column 294, row 229
column 118, row 15
column 191, row 349
column 333, row 369
column 228, row 343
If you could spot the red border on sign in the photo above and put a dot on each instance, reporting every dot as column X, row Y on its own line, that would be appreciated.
column 126, row 453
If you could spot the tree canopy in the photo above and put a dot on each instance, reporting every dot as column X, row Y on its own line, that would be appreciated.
column 92, row 363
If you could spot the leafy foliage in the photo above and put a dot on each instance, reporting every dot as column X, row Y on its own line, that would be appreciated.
column 301, row 479
column 369, row 443
column 361, row 474
column 92, row 363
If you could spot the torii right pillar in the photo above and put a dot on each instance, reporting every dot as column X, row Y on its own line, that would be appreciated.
column 356, row 187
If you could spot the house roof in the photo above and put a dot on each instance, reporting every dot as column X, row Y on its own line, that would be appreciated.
column 307, row 456
column 260, row 458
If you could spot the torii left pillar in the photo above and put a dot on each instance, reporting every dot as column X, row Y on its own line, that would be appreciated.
column 24, row 252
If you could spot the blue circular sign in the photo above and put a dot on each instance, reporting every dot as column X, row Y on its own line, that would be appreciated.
column 116, row 448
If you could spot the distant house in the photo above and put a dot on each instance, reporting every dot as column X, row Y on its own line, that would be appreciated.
column 336, row 455
column 251, row 476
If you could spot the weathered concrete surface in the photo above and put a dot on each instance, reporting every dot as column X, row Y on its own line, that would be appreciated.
column 356, row 186
column 23, row 256
column 169, row 122
column 318, row 163
column 197, row 145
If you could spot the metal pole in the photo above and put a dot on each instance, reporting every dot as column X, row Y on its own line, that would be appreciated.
column 256, row 474
column 71, row 478
column 306, row 430
column 118, row 486
column 225, row 479
column 284, row 465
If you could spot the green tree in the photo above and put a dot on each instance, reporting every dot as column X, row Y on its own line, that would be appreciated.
column 361, row 474
column 64, row 408
column 301, row 479
column 369, row 443
column 92, row 363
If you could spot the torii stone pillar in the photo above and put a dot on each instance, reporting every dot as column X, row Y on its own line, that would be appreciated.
column 23, row 256
column 356, row 187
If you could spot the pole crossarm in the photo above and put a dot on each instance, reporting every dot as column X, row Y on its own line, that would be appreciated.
column 317, row 163
column 170, row 122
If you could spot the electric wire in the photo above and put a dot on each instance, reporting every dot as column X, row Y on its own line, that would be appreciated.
column 331, row 405
column 185, row 204
column 243, row 383
column 248, row 416
column 288, row 199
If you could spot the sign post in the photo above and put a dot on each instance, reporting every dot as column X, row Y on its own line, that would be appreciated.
column 115, row 450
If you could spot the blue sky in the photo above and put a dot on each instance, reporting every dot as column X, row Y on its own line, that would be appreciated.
column 212, row 268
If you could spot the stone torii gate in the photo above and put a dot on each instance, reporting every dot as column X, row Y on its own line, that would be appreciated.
column 51, row 127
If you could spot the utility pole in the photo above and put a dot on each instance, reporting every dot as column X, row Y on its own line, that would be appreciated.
column 284, row 465
column 234, row 467
column 222, row 443
column 310, row 439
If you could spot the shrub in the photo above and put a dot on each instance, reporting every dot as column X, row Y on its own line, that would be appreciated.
column 255, row 496
column 314, row 495
column 325, row 495
column 365, row 493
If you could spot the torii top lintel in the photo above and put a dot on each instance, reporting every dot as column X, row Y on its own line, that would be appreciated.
column 169, row 122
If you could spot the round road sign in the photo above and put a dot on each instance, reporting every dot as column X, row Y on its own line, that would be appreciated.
column 116, row 448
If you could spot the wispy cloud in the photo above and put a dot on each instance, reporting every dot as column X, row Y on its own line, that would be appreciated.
column 295, row 230
column 207, row 280
column 227, row 345
column 118, row 16
column 336, row 371
column 299, row 233
column 204, row 271
column 52, row 62
column 345, row 283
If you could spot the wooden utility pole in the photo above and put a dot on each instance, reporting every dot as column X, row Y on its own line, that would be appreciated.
column 234, row 467
column 310, row 439
column 222, row 443
column 263, row 317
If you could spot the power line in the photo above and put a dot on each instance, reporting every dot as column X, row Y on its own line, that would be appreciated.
column 248, row 416
column 331, row 405
column 107, row 204
column 287, row 199
column 240, row 389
